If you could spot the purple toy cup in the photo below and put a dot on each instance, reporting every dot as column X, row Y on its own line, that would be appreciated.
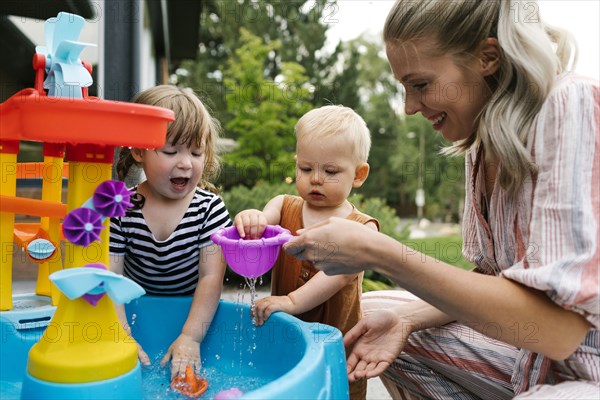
column 251, row 258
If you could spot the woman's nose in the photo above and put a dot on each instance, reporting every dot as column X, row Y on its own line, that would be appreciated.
column 412, row 103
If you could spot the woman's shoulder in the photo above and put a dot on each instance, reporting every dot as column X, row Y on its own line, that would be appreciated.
column 572, row 84
column 572, row 95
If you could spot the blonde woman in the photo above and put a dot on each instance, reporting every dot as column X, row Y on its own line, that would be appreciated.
column 492, row 78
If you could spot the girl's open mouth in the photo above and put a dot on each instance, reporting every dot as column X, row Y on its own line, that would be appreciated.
column 180, row 182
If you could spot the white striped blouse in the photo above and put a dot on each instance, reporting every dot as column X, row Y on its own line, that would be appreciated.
column 168, row 267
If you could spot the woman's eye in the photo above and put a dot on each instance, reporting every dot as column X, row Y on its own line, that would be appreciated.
column 414, row 87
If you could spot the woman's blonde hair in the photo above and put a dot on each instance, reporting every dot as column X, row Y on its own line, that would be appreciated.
column 532, row 54
column 337, row 120
column 193, row 126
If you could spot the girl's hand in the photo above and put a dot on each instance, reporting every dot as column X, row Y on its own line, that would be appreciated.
column 263, row 308
column 183, row 351
column 250, row 224
column 142, row 356
column 336, row 246
column 374, row 343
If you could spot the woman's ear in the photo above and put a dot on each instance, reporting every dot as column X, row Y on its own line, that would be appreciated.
column 489, row 56
column 361, row 174
column 137, row 154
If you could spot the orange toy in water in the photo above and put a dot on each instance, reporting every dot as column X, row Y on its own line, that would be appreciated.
column 190, row 384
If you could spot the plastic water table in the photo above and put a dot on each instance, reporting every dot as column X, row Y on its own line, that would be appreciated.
column 70, row 345
column 285, row 358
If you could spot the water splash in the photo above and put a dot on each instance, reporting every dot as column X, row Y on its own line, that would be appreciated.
column 251, row 284
column 156, row 380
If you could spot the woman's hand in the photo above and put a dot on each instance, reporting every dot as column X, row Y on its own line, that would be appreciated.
column 263, row 308
column 250, row 224
column 184, row 350
column 375, row 342
column 336, row 246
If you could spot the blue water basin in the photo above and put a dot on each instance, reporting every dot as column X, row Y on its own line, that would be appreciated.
column 283, row 359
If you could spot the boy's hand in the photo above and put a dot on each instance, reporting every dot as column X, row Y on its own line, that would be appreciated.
column 250, row 224
column 263, row 308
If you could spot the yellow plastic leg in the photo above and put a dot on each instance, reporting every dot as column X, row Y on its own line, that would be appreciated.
column 8, row 187
column 51, row 191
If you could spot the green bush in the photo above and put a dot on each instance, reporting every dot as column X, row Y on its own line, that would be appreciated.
column 241, row 198
column 388, row 224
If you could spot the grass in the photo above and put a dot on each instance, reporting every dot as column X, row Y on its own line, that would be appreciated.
column 447, row 249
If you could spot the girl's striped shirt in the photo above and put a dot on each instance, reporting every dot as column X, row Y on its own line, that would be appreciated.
column 168, row 267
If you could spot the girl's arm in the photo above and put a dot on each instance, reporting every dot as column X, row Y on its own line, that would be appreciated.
column 116, row 266
column 186, row 348
column 208, row 292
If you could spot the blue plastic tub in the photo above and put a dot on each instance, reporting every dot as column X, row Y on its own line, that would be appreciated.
column 285, row 358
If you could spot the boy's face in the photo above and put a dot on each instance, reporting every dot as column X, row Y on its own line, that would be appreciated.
column 325, row 171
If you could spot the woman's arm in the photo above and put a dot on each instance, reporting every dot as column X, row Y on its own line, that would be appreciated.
column 494, row 306
column 320, row 288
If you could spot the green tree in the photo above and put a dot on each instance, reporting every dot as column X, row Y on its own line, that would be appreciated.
column 443, row 177
column 378, row 94
column 264, row 112
column 298, row 26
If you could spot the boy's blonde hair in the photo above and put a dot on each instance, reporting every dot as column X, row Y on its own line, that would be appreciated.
column 336, row 120
column 532, row 54
column 193, row 126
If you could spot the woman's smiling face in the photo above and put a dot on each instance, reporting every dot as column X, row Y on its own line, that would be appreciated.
column 449, row 95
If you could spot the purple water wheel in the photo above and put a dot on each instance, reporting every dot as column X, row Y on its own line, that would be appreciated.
column 82, row 226
column 112, row 199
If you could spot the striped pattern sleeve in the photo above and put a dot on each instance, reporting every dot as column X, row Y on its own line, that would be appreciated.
column 564, row 228
column 118, row 239
column 168, row 267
